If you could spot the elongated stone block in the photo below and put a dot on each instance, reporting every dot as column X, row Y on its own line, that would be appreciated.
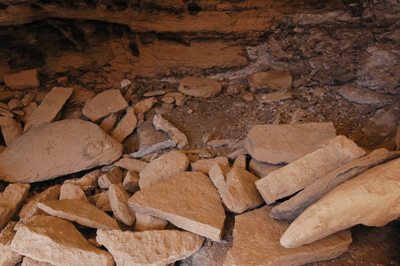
column 8, row 257
column 11, row 200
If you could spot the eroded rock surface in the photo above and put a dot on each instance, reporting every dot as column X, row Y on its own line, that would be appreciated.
column 8, row 256
column 11, row 200
column 200, row 87
column 119, row 204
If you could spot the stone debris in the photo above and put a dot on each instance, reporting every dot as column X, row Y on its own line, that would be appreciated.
column 49, row 108
column 28, row 110
column 218, row 175
column 189, row 201
column 240, row 162
column 23, row 80
column 28, row 98
column 58, row 239
column 81, row 95
column 144, row 105
column 205, row 165
column 104, row 104
column 219, row 142
column 146, row 222
column 101, row 201
column 6, row 95
column 87, row 182
column 118, row 198
column 71, row 145
column 178, row 97
column 62, row 81
column 162, row 124
column 71, row 191
column 27, row 261
column 200, row 153
column 370, row 198
column 234, row 155
column 10, row 129
column 274, row 80
column 276, row 144
column 125, row 83
column 131, row 164
column 236, row 89
column 8, row 256
column 274, row 97
column 359, row 95
column 308, row 169
column 114, row 176
column 163, row 168
column 157, row 93
column 256, row 242
column 297, row 116
column 126, row 126
column 149, row 135
column 108, row 123
column 200, row 87
column 261, row 169
column 15, row 104
column 131, row 182
column 149, row 247
column 11, row 200
column 292, row 208
column 6, row 113
column 153, row 148
column 248, row 97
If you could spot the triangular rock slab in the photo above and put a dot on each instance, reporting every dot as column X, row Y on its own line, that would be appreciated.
column 79, row 211
column 256, row 242
column 119, row 204
column 155, row 247
column 372, row 199
column 11, row 200
column 200, row 87
column 57, row 149
column 8, row 257
column 54, row 240
column 189, row 201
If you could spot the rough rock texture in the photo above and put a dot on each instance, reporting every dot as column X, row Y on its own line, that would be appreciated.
column 274, row 80
column 86, row 182
column 101, row 201
column 131, row 164
column 261, row 169
column 119, row 204
column 104, row 104
column 218, row 175
column 265, row 142
column 10, row 129
column 71, row 145
column 145, row 105
column 79, row 211
column 189, row 201
column 27, row 261
column 150, row 247
column 8, row 257
column 154, row 148
column 292, row 208
column 23, row 80
column 256, row 242
column 114, row 176
column 359, row 95
column 108, row 123
column 146, row 222
column 48, row 109
column 240, row 162
column 200, row 87
column 71, row 191
column 163, row 168
column 371, row 199
column 11, row 200
column 131, row 182
column 162, row 124
column 274, row 97
column 205, row 165
column 126, row 126
column 58, row 240
column 308, row 169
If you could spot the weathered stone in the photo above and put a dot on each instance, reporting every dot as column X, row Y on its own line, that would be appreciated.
column 28, row 110
column 81, row 95
column 131, row 164
column 10, row 129
column 6, row 95
column 79, row 211
column 200, row 87
column 119, row 204
column 163, row 168
column 274, row 97
column 27, row 261
column 14, row 104
column 308, row 169
column 150, row 247
column 108, row 123
column 71, row 191
column 131, row 182
column 47, row 111
column 235, row 89
column 261, row 169
column 359, row 95
column 240, row 162
column 22, row 80
column 114, row 176
column 11, row 200
column 297, row 116
column 101, row 201
column 219, row 142
column 205, row 165
column 371, row 199
column 178, row 97
column 276, row 144
column 236, row 154
column 248, row 97
column 274, row 80
column 218, row 174
column 200, row 153
column 104, row 104
column 149, row 135
column 144, row 105
column 397, row 139
column 2, row 148
column 162, row 124
column 28, row 98
column 146, row 222
column 8, row 257
column 126, row 126
column 86, row 182
column 256, row 242
column 292, row 208
column 58, row 240
column 6, row 113
column 189, row 201
column 71, row 145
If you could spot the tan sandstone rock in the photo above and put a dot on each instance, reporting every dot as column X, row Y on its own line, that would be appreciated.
column 119, row 204
column 10, row 129
column 162, row 124
column 274, row 80
column 261, row 169
column 86, row 182
column 108, row 123
column 11, row 200
column 131, row 182
column 23, row 80
column 204, row 166
column 126, row 126
column 218, row 175
column 114, row 176
column 27, row 261
column 131, row 164
column 240, row 162
column 144, row 106
column 71, row 191
column 147, row 222
column 101, row 201
column 200, row 87
column 7, row 256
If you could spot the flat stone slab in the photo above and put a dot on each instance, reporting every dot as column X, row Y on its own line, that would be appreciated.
column 204, row 166
column 146, row 222
column 189, row 201
column 57, row 149
column 144, row 105
column 8, row 256
column 274, row 97
column 79, row 211
column 119, row 204
column 256, row 242
column 126, row 126
column 276, row 144
column 154, row 148
column 27, row 261
column 261, row 169
column 11, row 200
column 10, row 129
column 371, row 199
column 52, row 239
column 359, row 95
column 308, row 169
column 22, row 80
column 274, row 80
column 131, row 164
column 162, row 124
column 150, row 247
column 200, row 87
column 71, row 191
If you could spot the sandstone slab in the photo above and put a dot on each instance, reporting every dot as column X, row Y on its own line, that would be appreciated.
column 261, row 169
column 370, row 199
column 28, row 110
column 22, row 80
column 10, row 129
column 162, row 124
column 154, row 148
column 131, row 164
column 189, row 201
column 308, row 169
column 114, row 176
column 71, row 145
column 6, row 95
column 108, row 123
column 240, row 162
column 28, row 98
column 147, row 222
column 131, row 182
column 200, row 87
column 58, row 239
column 71, row 191
column 119, row 204
column 274, row 97
column 101, row 201
column 144, row 105
column 276, row 144
column 149, row 135
column 149, row 247
column 87, row 182
column 274, row 80
column 11, row 200
column 8, row 256
column 126, row 126
column 218, row 175
column 81, row 95
column 359, row 95
column 256, row 242
column 27, row 261
column 205, row 165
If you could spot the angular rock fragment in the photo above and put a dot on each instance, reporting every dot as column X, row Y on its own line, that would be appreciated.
column 261, row 169
column 200, row 87
column 205, row 165
column 70, row 191
column 23, row 80
column 11, row 200
column 6, row 95
column 235, row 89
column 359, row 95
column 178, row 97
column 161, row 124
column 10, row 129
column 189, row 201
column 2, row 148
column 131, row 182
column 6, row 113
column 219, row 142
column 119, row 204
column 104, row 104
column 234, row 155
column 28, row 98
column 71, row 145
column 126, row 126
column 86, row 182
column 28, row 110
column 240, row 162
column 157, row 93
column 108, row 123
column 163, row 168
column 146, row 222
column 153, row 148
column 218, row 174
column 131, row 164
column 47, row 111
column 114, row 176
column 101, row 201
column 274, row 97
column 27, row 261
column 149, row 247
column 248, row 97
column 81, row 95
column 8, row 256
column 276, row 144
column 371, row 199
column 58, row 239
column 308, row 169
column 79, row 211
column 144, row 106
column 15, row 104
column 256, row 242
column 274, row 80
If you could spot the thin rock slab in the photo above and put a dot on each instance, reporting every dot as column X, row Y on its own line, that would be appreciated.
column 71, row 191
column 51, row 239
column 274, row 97
column 150, row 247
column 8, row 256
column 144, row 105
column 274, row 80
column 146, row 222
column 118, row 198
column 372, row 198
column 79, row 211
column 114, row 176
column 10, row 129
column 11, row 200
column 153, row 148
column 308, row 169
column 218, row 175
column 126, row 126
column 292, row 208
column 256, row 242
column 27, row 261
column 108, row 123
column 204, row 166
column 131, row 164
column 71, row 145
column 162, row 124
column 276, row 144
column 101, row 201
column 131, row 182
column 22, row 80
column 189, row 201
column 163, row 168
column 261, row 169
column 87, row 182
column 200, row 87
